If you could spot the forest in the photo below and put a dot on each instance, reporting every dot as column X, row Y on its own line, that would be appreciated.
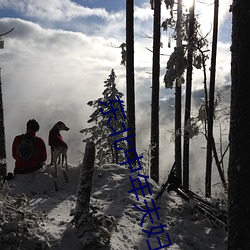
column 213, row 119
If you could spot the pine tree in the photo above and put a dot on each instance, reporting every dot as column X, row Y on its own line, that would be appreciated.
column 3, row 161
column 189, row 52
column 238, row 170
column 3, row 164
column 210, row 121
column 187, row 116
column 99, row 133
column 130, row 85
column 154, row 168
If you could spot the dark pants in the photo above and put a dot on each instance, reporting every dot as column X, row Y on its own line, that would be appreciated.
column 25, row 171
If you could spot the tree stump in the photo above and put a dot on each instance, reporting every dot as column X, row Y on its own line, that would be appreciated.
column 84, row 187
column 93, row 229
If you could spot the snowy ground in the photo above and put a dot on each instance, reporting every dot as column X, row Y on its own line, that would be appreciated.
column 186, row 229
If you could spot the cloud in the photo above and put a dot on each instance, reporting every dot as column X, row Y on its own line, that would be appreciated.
column 143, row 12
column 56, row 10
column 205, row 13
column 56, row 62
column 48, row 61
column 50, row 75
column 47, row 71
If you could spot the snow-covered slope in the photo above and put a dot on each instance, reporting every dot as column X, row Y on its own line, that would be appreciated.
column 111, row 183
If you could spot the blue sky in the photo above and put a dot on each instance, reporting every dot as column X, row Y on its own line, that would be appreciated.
column 67, row 14
column 108, row 5
column 61, row 52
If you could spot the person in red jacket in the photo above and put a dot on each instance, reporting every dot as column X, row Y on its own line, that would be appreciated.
column 29, row 150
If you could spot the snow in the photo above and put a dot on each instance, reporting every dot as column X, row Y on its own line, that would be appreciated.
column 187, row 230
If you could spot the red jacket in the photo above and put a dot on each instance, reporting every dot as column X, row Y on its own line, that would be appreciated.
column 37, row 159
column 55, row 139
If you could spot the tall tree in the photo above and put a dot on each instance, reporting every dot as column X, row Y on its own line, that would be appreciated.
column 176, row 66
column 100, row 132
column 130, row 82
column 188, row 96
column 210, row 139
column 178, row 155
column 239, row 159
column 3, row 162
column 154, row 166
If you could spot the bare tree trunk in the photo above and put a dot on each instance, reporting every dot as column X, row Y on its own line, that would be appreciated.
column 188, row 98
column 218, row 164
column 239, row 159
column 93, row 231
column 211, row 102
column 178, row 158
column 154, row 169
column 130, row 82
column 3, row 162
column 81, row 214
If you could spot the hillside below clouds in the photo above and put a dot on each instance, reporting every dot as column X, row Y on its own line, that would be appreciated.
column 167, row 111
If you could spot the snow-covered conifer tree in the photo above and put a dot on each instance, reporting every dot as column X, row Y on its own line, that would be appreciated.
column 100, row 132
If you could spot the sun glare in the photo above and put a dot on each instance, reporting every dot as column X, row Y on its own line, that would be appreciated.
column 188, row 3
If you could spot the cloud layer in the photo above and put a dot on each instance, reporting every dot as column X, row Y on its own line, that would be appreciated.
column 59, row 55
